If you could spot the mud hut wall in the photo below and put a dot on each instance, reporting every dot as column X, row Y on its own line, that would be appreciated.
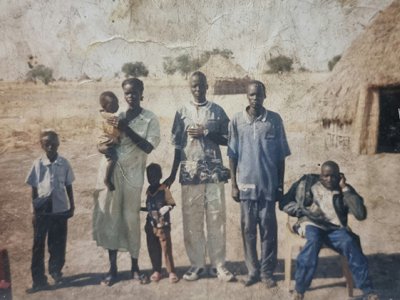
column 360, row 135
column 337, row 136
column 372, row 126
column 360, row 127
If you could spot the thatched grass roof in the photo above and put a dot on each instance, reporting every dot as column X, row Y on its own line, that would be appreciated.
column 221, row 67
column 372, row 60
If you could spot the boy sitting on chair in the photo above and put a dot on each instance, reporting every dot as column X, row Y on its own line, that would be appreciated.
column 322, row 204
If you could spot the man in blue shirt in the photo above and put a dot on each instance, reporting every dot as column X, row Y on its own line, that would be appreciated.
column 257, row 148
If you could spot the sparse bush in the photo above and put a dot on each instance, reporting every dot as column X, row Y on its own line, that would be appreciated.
column 184, row 64
column 40, row 72
column 279, row 64
column 225, row 53
column 169, row 66
column 136, row 69
column 303, row 69
column 205, row 56
column 333, row 62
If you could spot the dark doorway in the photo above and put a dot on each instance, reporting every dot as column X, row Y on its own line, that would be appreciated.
column 389, row 120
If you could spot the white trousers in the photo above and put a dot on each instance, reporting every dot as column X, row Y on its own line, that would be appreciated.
column 204, row 202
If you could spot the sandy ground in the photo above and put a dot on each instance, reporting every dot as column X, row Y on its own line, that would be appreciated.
column 71, row 109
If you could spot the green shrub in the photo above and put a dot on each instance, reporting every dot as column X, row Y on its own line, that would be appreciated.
column 40, row 72
column 136, row 69
column 185, row 63
column 333, row 62
column 169, row 66
column 279, row 64
column 205, row 56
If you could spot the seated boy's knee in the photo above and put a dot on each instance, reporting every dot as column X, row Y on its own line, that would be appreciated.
column 307, row 259
column 348, row 241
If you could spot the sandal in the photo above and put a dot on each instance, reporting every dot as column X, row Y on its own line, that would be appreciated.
column 142, row 278
column 173, row 278
column 156, row 276
column 109, row 279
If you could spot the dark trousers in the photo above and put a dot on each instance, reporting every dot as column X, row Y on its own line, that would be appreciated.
column 340, row 240
column 55, row 228
column 261, row 213
column 159, row 244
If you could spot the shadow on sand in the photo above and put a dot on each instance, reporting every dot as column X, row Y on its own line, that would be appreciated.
column 384, row 271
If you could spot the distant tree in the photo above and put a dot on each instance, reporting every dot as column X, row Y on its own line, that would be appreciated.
column 184, row 64
column 205, row 56
column 224, row 53
column 136, row 69
column 333, row 62
column 169, row 66
column 40, row 72
column 279, row 64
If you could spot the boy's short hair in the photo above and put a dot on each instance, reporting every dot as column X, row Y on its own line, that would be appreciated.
column 137, row 83
column 48, row 132
column 333, row 165
column 201, row 75
column 258, row 83
column 154, row 167
column 107, row 94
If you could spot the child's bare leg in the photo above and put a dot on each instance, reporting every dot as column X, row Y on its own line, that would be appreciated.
column 109, row 173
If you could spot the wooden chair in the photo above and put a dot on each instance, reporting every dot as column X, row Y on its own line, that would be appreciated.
column 294, row 240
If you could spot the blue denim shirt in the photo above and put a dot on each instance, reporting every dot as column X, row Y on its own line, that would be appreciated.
column 259, row 146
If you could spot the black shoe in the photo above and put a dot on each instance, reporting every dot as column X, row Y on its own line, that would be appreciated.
column 38, row 287
column 250, row 281
column 269, row 281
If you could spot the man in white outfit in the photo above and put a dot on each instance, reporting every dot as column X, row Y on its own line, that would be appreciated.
column 199, row 128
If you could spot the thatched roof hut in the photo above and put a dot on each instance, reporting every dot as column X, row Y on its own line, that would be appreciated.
column 220, row 67
column 350, row 99
column 225, row 75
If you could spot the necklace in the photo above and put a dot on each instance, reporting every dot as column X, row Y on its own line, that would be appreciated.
column 199, row 103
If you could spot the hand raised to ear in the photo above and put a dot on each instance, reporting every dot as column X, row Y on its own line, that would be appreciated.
column 342, row 182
